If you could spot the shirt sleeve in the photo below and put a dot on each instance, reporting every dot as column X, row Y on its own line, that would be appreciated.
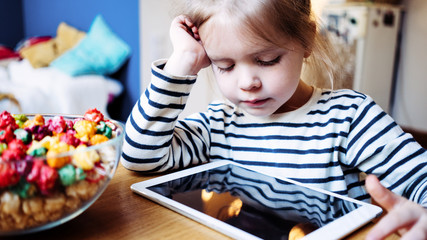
column 155, row 140
column 377, row 145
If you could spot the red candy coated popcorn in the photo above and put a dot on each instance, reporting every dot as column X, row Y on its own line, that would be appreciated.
column 47, row 179
column 9, row 155
column 57, row 124
column 16, row 150
column 94, row 115
column 8, row 175
column 35, row 171
column 69, row 138
column 44, row 176
column 7, row 135
column 17, row 145
column 24, row 167
column 6, row 119
column 39, row 131
column 69, row 123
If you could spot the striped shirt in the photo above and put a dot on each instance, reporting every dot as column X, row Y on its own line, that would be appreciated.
column 330, row 142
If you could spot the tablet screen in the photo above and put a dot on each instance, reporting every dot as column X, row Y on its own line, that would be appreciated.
column 262, row 205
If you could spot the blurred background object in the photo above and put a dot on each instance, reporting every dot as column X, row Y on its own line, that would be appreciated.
column 367, row 38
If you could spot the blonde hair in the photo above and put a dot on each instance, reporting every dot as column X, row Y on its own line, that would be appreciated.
column 275, row 21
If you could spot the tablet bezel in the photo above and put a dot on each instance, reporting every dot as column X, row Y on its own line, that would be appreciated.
column 339, row 228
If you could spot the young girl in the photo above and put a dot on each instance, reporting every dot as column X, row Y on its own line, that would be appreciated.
column 273, row 119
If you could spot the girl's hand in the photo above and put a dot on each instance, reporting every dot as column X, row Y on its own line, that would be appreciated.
column 404, row 216
column 189, row 55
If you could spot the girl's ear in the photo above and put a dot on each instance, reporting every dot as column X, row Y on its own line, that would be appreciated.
column 312, row 38
column 307, row 53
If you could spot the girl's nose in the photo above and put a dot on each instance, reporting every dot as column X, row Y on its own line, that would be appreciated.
column 249, row 81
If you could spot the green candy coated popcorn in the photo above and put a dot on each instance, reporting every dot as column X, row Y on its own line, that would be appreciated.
column 102, row 128
column 80, row 174
column 20, row 123
column 67, row 175
column 24, row 189
column 39, row 152
column 20, row 119
column 23, row 135
column 3, row 146
column 108, row 132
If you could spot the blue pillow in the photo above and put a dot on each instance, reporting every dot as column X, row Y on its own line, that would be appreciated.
column 101, row 52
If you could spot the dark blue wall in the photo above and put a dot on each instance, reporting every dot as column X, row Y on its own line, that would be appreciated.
column 42, row 17
column 11, row 12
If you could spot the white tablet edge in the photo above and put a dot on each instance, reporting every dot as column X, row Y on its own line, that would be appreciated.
column 334, row 230
column 353, row 221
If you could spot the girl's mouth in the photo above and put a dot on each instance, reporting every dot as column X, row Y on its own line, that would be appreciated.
column 255, row 102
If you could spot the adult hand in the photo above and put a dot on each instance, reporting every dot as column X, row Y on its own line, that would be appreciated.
column 189, row 55
column 404, row 216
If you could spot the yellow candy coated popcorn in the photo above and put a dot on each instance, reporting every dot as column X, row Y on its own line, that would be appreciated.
column 97, row 139
column 46, row 142
column 60, row 147
column 85, row 129
column 55, row 149
column 56, row 162
column 37, row 120
column 49, row 141
column 85, row 159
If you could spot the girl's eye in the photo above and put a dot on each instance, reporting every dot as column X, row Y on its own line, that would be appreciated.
column 268, row 63
column 225, row 69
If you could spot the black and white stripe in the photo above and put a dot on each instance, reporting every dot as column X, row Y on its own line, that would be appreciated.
column 326, row 143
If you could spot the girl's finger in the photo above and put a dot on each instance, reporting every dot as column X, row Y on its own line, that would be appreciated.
column 189, row 26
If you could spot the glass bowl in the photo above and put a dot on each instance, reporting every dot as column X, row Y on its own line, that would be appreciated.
column 59, row 176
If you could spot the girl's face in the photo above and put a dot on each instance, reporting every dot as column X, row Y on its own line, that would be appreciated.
column 253, row 74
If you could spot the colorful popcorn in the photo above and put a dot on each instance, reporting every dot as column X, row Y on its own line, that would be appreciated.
column 47, row 168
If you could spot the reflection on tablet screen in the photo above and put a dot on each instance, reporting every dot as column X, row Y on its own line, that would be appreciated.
column 255, row 203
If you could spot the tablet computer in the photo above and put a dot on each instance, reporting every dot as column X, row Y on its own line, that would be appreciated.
column 246, row 204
